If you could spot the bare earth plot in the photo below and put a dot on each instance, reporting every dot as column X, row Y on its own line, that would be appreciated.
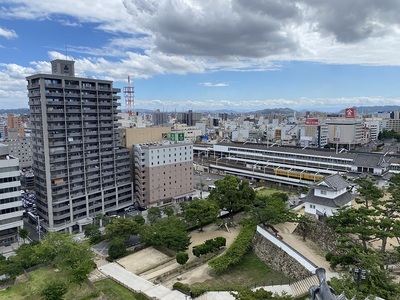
column 150, row 263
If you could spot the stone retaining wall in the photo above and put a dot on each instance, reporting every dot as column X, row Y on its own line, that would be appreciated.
column 321, row 234
column 278, row 259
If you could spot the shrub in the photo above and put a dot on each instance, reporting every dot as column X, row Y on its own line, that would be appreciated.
column 329, row 256
column 184, row 288
column 182, row 258
column 209, row 246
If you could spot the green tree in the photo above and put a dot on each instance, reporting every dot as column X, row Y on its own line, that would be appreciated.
column 54, row 290
column 368, row 189
column 200, row 212
column 92, row 232
column 153, row 214
column 170, row 232
column 23, row 233
column 122, row 228
column 75, row 258
column 271, row 209
column 168, row 211
column 117, row 248
column 378, row 282
column 182, row 258
column 231, row 194
column 99, row 219
column 139, row 220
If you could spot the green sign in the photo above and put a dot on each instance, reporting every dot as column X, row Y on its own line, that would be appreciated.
column 172, row 137
column 181, row 136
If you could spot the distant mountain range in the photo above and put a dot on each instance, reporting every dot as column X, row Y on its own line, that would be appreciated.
column 16, row 111
column 375, row 109
column 283, row 111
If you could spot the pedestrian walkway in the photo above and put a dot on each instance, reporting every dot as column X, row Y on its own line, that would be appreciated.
column 9, row 250
column 140, row 285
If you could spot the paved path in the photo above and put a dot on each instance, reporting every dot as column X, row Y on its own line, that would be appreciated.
column 138, row 284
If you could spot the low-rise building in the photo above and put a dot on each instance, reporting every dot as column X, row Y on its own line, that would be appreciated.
column 327, row 196
column 10, row 197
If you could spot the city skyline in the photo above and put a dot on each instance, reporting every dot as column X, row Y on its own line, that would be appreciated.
column 233, row 54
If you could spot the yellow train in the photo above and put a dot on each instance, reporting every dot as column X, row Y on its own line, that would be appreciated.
column 299, row 175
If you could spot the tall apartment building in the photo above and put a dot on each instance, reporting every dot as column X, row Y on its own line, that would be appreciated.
column 10, row 197
column 15, row 122
column 79, row 166
column 163, row 173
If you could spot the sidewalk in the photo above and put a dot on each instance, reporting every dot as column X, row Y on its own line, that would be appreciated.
column 138, row 284
column 8, row 251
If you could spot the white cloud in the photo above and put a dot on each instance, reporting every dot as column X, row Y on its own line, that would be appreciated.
column 210, row 84
column 8, row 33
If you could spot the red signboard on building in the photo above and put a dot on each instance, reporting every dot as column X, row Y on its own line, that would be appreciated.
column 350, row 113
column 312, row 121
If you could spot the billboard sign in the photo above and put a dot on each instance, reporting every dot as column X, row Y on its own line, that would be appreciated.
column 181, row 137
column 172, row 137
column 350, row 112
column 312, row 121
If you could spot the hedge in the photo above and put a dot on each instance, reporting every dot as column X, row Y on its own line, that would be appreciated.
column 236, row 251
column 209, row 246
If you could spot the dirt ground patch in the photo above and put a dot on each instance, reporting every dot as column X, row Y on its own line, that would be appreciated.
column 149, row 258
column 143, row 260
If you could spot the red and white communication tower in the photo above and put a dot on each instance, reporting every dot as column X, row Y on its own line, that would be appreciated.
column 129, row 94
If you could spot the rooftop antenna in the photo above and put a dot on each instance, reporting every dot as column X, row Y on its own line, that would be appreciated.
column 66, row 51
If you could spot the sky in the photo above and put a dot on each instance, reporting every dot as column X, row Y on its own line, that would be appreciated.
column 242, row 55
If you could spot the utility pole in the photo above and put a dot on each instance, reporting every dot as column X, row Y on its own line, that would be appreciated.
column 38, row 219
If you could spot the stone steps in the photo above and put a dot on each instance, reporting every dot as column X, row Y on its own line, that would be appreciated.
column 301, row 287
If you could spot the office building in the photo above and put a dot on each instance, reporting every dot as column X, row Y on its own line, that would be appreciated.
column 163, row 173
column 79, row 166
column 10, row 197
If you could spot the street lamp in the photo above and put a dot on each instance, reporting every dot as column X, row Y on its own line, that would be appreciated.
column 359, row 274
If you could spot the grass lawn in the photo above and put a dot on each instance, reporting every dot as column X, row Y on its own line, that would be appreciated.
column 30, row 290
column 268, row 191
column 115, row 291
column 249, row 273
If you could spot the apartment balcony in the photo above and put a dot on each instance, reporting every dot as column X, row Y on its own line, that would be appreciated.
column 52, row 110
column 54, row 126
column 53, row 85
column 90, row 125
column 91, row 155
column 74, row 119
column 75, row 126
column 56, row 135
column 51, row 103
column 90, row 118
column 58, row 167
column 57, row 175
column 58, row 143
column 75, row 149
column 91, row 133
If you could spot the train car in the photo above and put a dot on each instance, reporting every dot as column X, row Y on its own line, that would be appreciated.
column 299, row 175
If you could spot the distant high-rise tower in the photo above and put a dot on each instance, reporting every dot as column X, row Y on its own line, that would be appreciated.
column 129, row 95
column 80, row 169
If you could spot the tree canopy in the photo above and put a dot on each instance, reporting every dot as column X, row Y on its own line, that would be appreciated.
column 122, row 228
column 170, row 232
column 200, row 212
column 231, row 193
